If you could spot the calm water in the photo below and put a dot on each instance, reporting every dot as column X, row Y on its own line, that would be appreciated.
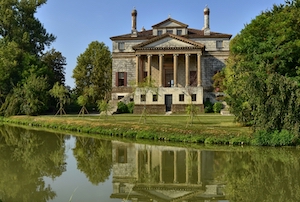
column 38, row 166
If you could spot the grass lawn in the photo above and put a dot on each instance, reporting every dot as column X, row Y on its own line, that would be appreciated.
column 170, row 127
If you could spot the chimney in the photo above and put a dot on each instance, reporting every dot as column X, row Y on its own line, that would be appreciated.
column 206, row 21
column 133, row 27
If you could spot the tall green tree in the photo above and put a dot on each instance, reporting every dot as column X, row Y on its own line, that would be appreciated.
column 262, row 73
column 55, row 62
column 23, row 40
column 93, row 71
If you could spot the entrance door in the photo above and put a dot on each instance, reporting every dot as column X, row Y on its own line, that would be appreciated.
column 168, row 102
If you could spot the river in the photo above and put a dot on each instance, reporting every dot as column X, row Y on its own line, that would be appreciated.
column 37, row 166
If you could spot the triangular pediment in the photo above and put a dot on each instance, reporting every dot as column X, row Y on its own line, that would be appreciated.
column 168, row 41
column 170, row 23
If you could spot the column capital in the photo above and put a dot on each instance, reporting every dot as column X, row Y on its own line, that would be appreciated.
column 161, row 55
column 175, row 55
column 138, row 55
column 187, row 54
column 199, row 54
column 149, row 55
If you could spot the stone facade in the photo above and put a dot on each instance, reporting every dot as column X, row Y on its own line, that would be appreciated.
column 178, row 60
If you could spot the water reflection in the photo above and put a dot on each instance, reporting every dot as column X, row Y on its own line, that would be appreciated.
column 94, row 158
column 161, row 173
column 119, row 171
column 25, row 158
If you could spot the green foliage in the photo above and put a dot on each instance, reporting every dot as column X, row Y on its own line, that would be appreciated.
column 82, row 100
column 60, row 92
column 262, row 72
column 22, row 42
column 218, row 83
column 275, row 138
column 29, row 98
column 93, row 71
column 122, row 107
column 55, row 63
column 208, row 107
column 130, row 107
column 217, row 107
column 104, row 106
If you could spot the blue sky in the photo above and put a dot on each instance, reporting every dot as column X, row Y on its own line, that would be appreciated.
column 77, row 23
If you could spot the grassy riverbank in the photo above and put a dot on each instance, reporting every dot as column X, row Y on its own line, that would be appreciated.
column 207, row 128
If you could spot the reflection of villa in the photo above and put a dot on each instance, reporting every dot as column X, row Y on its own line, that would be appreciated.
column 161, row 173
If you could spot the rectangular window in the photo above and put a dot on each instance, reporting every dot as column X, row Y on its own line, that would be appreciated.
column 121, row 78
column 219, row 44
column 159, row 32
column 194, row 97
column 154, row 98
column 181, row 97
column 179, row 32
column 170, row 31
column 143, row 98
column 121, row 46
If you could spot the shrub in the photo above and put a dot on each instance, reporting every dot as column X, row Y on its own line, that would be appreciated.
column 208, row 107
column 130, row 107
column 275, row 138
column 217, row 107
column 122, row 107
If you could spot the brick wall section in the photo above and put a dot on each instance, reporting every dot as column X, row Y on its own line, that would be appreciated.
column 161, row 109
column 151, row 109
column 181, row 109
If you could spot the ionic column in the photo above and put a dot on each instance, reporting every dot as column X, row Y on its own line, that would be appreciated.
column 137, row 61
column 199, row 79
column 175, row 65
column 161, row 62
column 187, row 70
column 149, row 68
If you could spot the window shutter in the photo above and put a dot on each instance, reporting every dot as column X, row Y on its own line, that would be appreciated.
column 117, row 79
column 125, row 78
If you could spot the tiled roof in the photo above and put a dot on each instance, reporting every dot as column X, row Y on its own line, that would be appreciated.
column 192, row 33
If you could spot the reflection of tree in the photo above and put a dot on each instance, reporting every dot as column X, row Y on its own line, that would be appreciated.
column 263, row 175
column 24, row 161
column 94, row 158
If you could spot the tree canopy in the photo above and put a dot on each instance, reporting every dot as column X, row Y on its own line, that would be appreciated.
column 26, row 72
column 93, row 71
column 262, row 72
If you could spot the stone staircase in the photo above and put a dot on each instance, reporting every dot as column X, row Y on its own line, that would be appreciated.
column 114, row 104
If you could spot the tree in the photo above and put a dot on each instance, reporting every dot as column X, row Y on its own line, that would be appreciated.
column 55, row 63
column 262, row 73
column 93, row 71
column 19, row 24
column 62, row 94
column 22, row 42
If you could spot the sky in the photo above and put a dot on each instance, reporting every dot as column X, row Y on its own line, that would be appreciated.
column 77, row 23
